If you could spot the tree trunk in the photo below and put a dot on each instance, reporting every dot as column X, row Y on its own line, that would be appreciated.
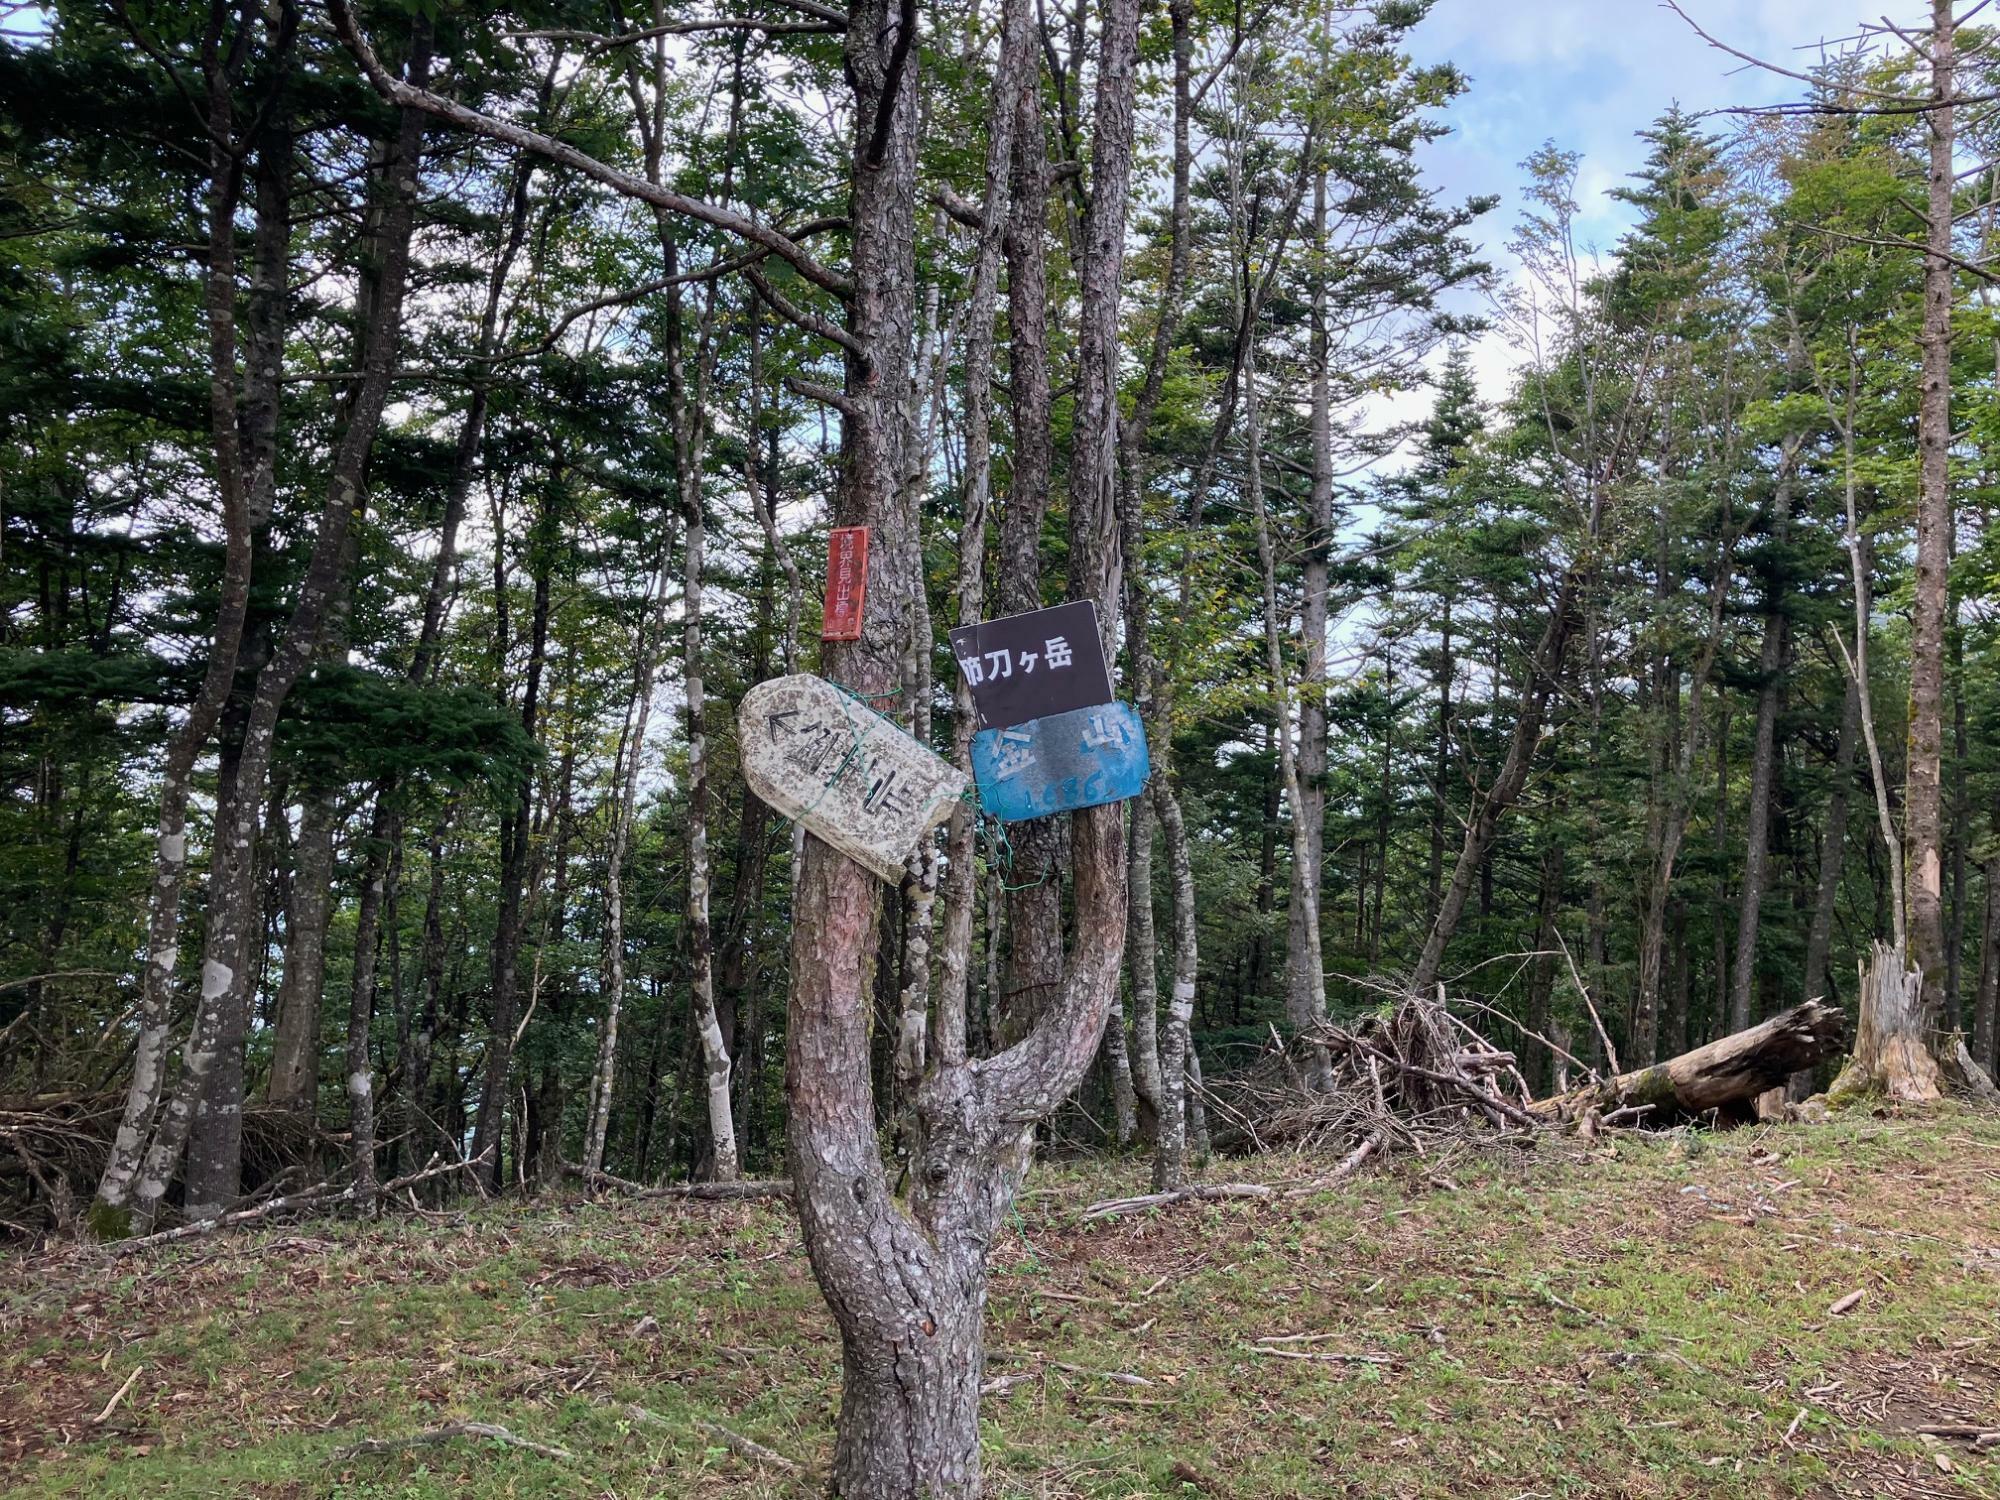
column 625, row 795
column 295, row 1038
column 1771, row 660
column 1118, row 1065
column 1142, row 960
column 1541, row 980
column 1305, row 975
column 1545, row 673
column 1170, row 1157
column 1923, row 831
column 1986, row 1002
column 1016, row 97
column 1200, row 1147
column 361, row 1011
column 1727, row 1075
column 244, row 439
column 1440, row 767
column 1032, row 974
column 908, row 1288
column 516, row 827
column 1305, row 968
column 1892, row 1055
column 205, row 1118
column 1832, row 845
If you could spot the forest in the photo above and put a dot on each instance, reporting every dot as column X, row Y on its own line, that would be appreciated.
column 424, row 424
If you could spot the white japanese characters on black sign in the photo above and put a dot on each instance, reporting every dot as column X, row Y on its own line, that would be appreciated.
column 1029, row 666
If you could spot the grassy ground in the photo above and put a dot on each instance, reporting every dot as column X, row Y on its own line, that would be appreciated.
column 1650, row 1318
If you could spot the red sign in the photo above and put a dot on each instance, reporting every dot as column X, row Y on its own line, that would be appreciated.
column 846, row 583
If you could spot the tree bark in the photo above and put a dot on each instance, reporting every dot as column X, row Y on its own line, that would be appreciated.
column 1986, row 1000
column 1013, row 189
column 1305, row 975
column 1141, row 945
column 1548, row 914
column 1923, row 831
column 1832, row 845
column 1726, row 1074
column 690, row 425
column 1771, row 658
column 625, row 796
column 516, row 827
column 1031, row 975
column 1170, row 1154
column 361, row 1012
column 244, row 439
column 1142, row 959
column 205, row 1117
column 294, row 1080
column 1893, row 1056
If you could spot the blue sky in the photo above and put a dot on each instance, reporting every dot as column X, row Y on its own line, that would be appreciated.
column 1587, row 76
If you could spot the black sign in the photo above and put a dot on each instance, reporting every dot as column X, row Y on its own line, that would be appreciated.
column 1024, row 667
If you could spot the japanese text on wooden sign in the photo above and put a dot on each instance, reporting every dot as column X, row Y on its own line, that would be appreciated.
column 846, row 583
column 849, row 775
column 1029, row 666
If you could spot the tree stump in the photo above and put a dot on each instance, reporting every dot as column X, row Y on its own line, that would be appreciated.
column 1892, row 1056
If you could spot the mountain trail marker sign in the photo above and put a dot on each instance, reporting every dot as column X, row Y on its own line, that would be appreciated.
column 1061, row 762
column 1029, row 666
column 859, row 782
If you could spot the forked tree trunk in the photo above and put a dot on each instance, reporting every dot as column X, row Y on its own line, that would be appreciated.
column 908, row 1286
column 243, row 435
column 1016, row 100
column 204, row 1119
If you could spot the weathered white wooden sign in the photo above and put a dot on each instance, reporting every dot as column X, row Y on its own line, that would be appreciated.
column 849, row 775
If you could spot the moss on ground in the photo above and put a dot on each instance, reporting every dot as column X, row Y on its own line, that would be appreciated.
column 1649, row 1318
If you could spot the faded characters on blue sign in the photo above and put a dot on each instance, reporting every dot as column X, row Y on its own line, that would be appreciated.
column 1058, row 764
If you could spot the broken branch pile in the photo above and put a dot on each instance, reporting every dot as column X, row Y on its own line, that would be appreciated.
column 1412, row 1075
column 1394, row 1078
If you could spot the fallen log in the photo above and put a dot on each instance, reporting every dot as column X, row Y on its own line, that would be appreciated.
column 1727, row 1074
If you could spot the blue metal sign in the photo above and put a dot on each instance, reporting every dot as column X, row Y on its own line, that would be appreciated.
column 1062, row 762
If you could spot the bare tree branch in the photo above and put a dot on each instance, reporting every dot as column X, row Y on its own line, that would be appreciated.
column 805, row 318
column 409, row 96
